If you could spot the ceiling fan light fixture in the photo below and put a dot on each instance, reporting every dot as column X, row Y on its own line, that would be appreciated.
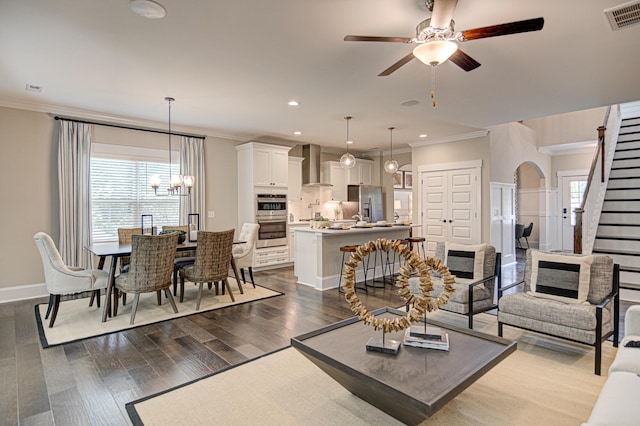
column 435, row 52
column 148, row 9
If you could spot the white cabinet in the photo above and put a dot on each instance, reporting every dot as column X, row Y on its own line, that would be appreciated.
column 294, row 188
column 292, row 238
column 360, row 174
column 334, row 174
column 263, row 164
column 271, row 256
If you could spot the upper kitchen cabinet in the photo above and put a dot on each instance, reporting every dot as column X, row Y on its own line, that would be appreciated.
column 263, row 164
column 294, row 188
column 360, row 174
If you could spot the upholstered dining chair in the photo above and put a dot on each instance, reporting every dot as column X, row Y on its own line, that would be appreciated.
column 62, row 279
column 213, row 260
column 243, row 253
column 150, row 269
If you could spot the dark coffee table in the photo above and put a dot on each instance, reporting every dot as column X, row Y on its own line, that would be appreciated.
column 412, row 385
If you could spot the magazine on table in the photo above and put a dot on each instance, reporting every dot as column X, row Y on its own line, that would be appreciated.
column 419, row 342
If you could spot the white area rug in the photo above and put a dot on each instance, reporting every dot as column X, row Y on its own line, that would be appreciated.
column 546, row 381
column 76, row 320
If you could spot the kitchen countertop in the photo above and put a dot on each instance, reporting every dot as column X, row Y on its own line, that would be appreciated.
column 353, row 230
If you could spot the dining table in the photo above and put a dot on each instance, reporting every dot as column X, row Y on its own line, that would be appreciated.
column 116, row 250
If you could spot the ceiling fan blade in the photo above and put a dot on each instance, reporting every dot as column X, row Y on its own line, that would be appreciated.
column 397, row 65
column 464, row 61
column 535, row 24
column 375, row 38
column 442, row 13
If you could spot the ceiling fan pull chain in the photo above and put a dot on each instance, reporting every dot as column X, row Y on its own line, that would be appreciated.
column 433, row 85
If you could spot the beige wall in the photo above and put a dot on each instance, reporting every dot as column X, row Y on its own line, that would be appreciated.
column 569, row 163
column 28, row 161
column 579, row 126
column 452, row 152
column 28, row 167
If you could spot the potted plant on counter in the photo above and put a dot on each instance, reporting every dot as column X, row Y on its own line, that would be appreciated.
column 320, row 222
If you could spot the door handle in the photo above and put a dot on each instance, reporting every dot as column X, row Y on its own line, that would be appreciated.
column 444, row 220
column 450, row 221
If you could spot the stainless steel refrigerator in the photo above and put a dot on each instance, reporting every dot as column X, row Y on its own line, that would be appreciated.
column 365, row 200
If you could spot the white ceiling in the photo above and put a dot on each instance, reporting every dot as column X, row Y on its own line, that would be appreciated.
column 233, row 65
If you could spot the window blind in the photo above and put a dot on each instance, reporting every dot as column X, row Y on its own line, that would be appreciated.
column 120, row 194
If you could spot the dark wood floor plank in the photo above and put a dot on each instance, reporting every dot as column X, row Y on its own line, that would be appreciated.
column 186, row 361
column 68, row 409
column 8, row 394
column 225, row 352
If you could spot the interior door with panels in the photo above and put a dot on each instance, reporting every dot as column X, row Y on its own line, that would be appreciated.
column 450, row 206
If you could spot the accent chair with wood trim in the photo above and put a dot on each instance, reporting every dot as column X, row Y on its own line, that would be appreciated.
column 477, row 269
column 243, row 253
column 150, row 269
column 567, row 296
column 62, row 279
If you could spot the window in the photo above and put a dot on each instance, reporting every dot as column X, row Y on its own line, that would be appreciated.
column 120, row 193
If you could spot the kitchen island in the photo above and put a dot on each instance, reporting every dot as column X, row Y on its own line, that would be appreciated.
column 318, row 257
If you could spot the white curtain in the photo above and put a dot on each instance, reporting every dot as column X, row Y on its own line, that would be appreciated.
column 74, row 156
column 192, row 164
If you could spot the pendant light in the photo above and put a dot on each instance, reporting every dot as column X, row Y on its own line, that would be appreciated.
column 347, row 160
column 175, row 181
column 391, row 165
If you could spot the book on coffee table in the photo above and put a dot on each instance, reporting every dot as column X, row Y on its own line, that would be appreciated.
column 419, row 342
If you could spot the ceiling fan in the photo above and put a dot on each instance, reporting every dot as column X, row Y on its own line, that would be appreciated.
column 436, row 37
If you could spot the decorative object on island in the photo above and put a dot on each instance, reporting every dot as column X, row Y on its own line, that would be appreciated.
column 320, row 222
column 146, row 219
column 347, row 160
column 175, row 181
column 417, row 304
column 391, row 165
column 336, row 212
column 194, row 226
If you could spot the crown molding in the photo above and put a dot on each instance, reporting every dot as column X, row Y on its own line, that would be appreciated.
column 453, row 138
column 585, row 147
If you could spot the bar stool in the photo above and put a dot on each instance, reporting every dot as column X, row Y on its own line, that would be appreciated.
column 385, row 267
column 391, row 264
column 352, row 249
column 416, row 240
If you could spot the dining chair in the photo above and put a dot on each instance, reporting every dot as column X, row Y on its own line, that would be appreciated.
column 243, row 253
column 213, row 260
column 124, row 237
column 150, row 269
column 527, row 233
column 62, row 279
column 183, row 258
column 519, row 233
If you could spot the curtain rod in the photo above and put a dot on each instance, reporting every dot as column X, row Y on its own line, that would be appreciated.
column 120, row 126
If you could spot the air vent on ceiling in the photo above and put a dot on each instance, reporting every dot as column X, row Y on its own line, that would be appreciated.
column 624, row 15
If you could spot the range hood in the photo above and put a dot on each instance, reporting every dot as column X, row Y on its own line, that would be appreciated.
column 311, row 166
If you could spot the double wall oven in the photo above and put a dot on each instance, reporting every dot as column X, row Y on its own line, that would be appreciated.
column 271, row 215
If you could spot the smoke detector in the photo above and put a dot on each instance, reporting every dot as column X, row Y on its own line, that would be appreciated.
column 624, row 15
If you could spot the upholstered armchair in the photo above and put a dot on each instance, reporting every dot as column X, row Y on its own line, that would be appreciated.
column 62, row 279
column 477, row 270
column 567, row 296
column 243, row 253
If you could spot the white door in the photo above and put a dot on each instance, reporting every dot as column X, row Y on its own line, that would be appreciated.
column 503, row 220
column 572, row 188
column 451, row 206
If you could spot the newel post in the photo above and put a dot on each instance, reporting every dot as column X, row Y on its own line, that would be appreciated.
column 577, row 232
column 601, row 130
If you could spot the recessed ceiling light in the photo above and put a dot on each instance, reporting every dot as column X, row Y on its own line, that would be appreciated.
column 409, row 103
column 349, row 142
column 33, row 88
column 424, row 135
column 297, row 133
column 293, row 103
column 148, row 9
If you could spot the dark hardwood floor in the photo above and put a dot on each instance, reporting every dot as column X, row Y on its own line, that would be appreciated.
column 89, row 382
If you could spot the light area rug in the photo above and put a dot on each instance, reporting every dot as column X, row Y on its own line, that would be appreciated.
column 76, row 320
column 546, row 381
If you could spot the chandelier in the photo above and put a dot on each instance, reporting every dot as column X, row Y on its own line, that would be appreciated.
column 347, row 160
column 175, row 181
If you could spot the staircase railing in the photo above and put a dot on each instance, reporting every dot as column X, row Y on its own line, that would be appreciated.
column 588, row 214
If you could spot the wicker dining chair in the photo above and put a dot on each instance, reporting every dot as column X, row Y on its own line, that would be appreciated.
column 213, row 260
column 124, row 237
column 183, row 258
column 150, row 269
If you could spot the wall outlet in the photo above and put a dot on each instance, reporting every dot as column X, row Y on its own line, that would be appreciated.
column 211, row 214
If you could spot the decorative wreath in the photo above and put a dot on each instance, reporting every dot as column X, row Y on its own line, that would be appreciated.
column 419, row 304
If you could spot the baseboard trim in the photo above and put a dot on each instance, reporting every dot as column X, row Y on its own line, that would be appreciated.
column 23, row 292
